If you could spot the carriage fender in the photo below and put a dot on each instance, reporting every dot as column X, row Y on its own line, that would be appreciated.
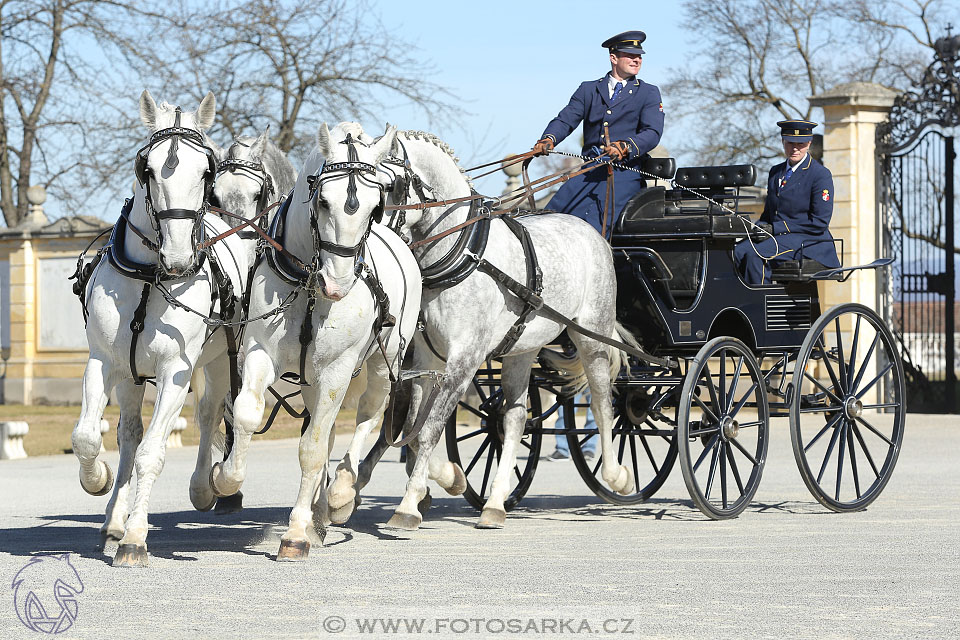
column 733, row 322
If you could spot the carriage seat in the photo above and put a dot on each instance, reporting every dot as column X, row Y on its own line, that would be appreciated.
column 717, row 178
column 799, row 270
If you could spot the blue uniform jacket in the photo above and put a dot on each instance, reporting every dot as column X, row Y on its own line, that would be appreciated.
column 800, row 212
column 636, row 118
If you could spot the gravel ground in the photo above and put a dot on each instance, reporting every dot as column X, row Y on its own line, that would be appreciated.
column 566, row 563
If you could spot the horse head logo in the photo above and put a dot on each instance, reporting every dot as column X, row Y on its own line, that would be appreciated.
column 45, row 594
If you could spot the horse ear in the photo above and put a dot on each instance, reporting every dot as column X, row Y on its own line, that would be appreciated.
column 386, row 143
column 148, row 110
column 207, row 112
column 323, row 140
column 256, row 149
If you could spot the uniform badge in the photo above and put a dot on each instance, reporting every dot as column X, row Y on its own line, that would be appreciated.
column 661, row 107
column 826, row 195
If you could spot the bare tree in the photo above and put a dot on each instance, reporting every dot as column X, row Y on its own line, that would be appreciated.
column 762, row 59
column 295, row 64
column 60, row 126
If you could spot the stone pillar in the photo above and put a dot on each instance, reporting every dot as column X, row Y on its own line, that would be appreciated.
column 851, row 113
column 18, row 381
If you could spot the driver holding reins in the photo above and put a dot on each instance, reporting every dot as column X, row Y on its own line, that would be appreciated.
column 622, row 118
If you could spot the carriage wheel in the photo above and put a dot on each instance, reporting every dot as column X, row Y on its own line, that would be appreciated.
column 643, row 442
column 482, row 442
column 848, row 389
column 723, row 428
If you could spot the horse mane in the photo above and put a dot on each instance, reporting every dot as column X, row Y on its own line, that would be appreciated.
column 440, row 144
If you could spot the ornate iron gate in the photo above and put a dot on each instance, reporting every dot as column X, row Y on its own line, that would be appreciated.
column 917, row 182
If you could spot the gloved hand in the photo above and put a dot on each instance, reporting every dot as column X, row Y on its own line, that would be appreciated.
column 761, row 231
column 543, row 146
column 617, row 150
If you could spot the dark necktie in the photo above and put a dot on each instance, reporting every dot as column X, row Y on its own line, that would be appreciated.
column 786, row 177
column 616, row 92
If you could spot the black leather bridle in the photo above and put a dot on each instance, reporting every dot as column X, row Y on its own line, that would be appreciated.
column 192, row 138
column 257, row 171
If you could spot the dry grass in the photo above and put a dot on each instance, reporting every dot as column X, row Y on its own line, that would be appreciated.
column 50, row 427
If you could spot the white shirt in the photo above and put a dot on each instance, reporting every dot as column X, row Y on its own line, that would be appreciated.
column 612, row 83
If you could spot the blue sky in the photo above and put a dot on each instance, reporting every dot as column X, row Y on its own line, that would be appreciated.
column 514, row 65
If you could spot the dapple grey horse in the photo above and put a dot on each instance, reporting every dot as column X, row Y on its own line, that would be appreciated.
column 465, row 322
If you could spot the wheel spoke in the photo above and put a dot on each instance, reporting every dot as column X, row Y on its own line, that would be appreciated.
column 830, row 423
column 472, row 434
column 623, row 446
column 479, row 453
column 889, row 405
column 868, row 386
column 823, row 409
column 743, row 400
column 723, row 474
column 841, row 361
column 866, row 451
column 829, row 365
column 646, row 447
column 840, row 455
column 734, row 468
column 633, row 457
column 853, row 460
column 703, row 431
column 826, row 457
column 733, row 387
column 874, row 429
column 711, row 387
column 722, row 380
column 516, row 472
column 851, row 364
column 830, row 393
column 713, row 468
column 707, row 410
column 706, row 450
column 746, row 453
column 866, row 362
column 754, row 423
column 486, row 475
column 479, row 389
column 525, row 444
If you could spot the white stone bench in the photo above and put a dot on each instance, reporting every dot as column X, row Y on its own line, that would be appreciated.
column 11, row 440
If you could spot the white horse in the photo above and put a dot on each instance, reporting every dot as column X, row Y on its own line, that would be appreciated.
column 467, row 321
column 134, row 330
column 252, row 174
column 323, row 226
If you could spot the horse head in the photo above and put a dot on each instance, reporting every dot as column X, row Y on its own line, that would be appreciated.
column 177, row 169
column 244, row 185
column 348, row 197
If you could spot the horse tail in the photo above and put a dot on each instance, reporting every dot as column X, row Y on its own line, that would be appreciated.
column 565, row 369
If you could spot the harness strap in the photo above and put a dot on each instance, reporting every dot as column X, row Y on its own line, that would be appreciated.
column 534, row 284
column 306, row 333
column 387, row 430
column 534, row 300
column 136, row 327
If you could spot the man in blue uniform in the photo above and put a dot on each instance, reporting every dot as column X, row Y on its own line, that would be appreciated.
column 622, row 117
column 797, row 210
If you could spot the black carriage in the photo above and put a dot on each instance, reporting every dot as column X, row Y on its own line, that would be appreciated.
column 740, row 355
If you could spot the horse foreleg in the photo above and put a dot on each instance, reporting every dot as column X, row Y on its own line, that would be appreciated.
column 129, row 434
column 96, row 477
column 259, row 372
column 515, row 382
column 343, row 496
column 314, row 453
column 407, row 515
column 171, row 393
column 208, row 414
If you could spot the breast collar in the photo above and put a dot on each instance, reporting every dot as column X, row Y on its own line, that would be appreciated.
column 454, row 267
column 281, row 264
column 147, row 272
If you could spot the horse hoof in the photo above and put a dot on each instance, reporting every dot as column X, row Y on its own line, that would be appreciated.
column 405, row 521
column 107, row 481
column 229, row 504
column 293, row 550
column 491, row 518
column 131, row 556
column 424, row 505
column 196, row 499
column 216, row 475
column 342, row 514
column 459, row 481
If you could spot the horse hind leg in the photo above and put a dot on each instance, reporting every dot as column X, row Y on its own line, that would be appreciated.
column 129, row 434
column 597, row 358
column 96, row 476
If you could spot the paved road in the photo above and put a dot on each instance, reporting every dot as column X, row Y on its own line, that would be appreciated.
column 785, row 568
